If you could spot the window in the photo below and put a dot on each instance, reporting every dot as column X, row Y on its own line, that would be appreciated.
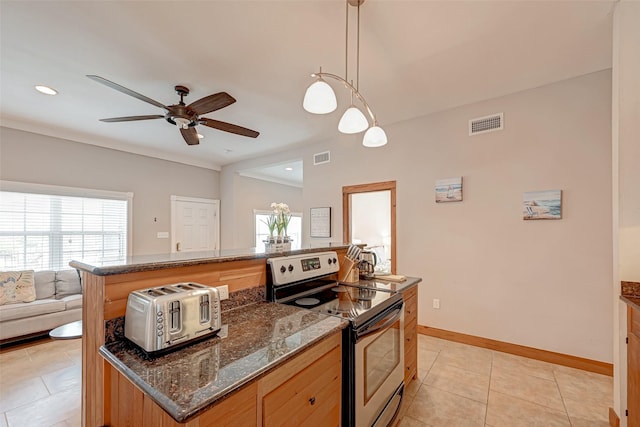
column 262, row 231
column 44, row 227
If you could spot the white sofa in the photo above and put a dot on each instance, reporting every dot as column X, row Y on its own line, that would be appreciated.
column 58, row 301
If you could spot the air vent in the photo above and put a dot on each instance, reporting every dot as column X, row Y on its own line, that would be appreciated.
column 486, row 124
column 321, row 158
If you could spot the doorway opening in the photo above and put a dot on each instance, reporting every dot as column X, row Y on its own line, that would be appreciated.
column 369, row 217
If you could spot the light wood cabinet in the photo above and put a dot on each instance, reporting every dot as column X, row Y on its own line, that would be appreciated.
column 410, row 297
column 303, row 391
column 633, row 367
column 311, row 397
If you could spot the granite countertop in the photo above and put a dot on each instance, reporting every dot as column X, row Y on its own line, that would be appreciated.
column 257, row 338
column 631, row 294
column 138, row 263
column 379, row 282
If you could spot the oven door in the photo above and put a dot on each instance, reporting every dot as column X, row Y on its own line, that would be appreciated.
column 379, row 361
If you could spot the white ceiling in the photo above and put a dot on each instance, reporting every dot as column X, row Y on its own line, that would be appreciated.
column 416, row 57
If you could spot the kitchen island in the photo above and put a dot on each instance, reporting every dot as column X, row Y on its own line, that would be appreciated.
column 106, row 287
column 192, row 384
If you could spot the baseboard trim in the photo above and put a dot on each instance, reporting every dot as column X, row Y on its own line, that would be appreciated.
column 520, row 350
column 614, row 421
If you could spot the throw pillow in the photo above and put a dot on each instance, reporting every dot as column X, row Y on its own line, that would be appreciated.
column 17, row 286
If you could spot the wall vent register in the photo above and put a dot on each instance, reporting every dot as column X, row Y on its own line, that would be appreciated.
column 486, row 124
column 321, row 158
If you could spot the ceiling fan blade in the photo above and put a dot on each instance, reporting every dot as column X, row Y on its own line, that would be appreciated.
column 131, row 118
column 228, row 127
column 126, row 91
column 190, row 136
column 212, row 103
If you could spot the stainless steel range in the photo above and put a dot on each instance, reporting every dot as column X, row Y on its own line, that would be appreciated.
column 373, row 355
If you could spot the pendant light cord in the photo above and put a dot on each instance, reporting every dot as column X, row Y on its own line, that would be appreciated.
column 358, row 52
column 346, row 41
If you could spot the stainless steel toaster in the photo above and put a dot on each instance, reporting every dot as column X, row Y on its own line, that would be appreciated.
column 168, row 316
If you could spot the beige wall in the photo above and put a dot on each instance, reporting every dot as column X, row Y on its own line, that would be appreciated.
column 544, row 284
column 34, row 158
column 626, row 180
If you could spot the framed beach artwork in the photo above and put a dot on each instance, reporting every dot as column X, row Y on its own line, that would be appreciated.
column 449, row 190
column 542, row 204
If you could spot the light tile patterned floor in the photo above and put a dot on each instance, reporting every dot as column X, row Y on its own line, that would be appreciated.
column 462, row 385
column 458, row 385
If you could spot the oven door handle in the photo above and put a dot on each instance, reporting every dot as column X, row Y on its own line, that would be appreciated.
column 385, row 322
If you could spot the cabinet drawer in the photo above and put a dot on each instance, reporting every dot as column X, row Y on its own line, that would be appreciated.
column 634, row 321
column 314, row 392
column 410, row 293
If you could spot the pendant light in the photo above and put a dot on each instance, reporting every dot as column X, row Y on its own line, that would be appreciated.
column 321, row 99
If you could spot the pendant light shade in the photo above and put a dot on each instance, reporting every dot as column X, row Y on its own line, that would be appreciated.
column 353, row 121
column 374, row 137
column 320, row 98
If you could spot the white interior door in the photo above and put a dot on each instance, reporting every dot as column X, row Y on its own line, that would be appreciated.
column 195, row 224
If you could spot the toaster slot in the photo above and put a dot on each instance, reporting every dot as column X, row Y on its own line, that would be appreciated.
column 205, row 308
column 168, row 290
column 154, row 292
column 174, row 316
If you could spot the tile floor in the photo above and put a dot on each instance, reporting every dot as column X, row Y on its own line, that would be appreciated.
column 457, row 385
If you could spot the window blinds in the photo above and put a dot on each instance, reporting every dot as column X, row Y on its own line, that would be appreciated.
column 46, row 231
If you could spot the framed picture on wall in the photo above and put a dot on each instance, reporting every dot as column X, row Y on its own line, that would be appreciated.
column 320, row 222
column 542, row 204
column 449, row 190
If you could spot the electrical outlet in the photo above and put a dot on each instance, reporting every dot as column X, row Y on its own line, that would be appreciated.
column 436, row 303
column 224, row 292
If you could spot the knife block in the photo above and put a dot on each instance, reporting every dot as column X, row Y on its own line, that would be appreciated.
column 347, row 268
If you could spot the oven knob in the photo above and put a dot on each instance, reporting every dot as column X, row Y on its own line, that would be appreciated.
column 335, row 261
column 290, row 267
column 283, row 269
column 330, row 261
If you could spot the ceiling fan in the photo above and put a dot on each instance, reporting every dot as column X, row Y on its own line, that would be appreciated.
column 186, row 117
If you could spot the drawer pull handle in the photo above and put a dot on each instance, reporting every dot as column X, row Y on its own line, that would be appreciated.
column 312, row 401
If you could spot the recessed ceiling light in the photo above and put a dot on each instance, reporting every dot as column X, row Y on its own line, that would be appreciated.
column 288, row 169
column 200, row 136
column 46, row 90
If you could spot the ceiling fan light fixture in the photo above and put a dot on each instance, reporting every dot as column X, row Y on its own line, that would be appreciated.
column 182, row 122
column 46, row 90
column 374, row 137
column 320, row 98
column 353, row 121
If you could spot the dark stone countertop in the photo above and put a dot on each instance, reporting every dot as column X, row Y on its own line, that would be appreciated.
column 139, row 263
column 259, row 338
column 379, row 282
column 631, row 294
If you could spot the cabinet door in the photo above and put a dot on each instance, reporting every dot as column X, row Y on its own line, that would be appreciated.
column 410, row 297
column 309, row 398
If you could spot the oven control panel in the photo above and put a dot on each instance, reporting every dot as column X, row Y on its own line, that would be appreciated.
column 294, row 268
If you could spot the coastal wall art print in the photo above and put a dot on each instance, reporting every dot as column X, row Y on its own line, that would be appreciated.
column 542, row 204
column 449, row 190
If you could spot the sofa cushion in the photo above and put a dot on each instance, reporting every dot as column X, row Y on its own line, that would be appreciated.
column 17, row 287
column 45, row 284
column 30, row 309
column 72, row 301
column 67, row 283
